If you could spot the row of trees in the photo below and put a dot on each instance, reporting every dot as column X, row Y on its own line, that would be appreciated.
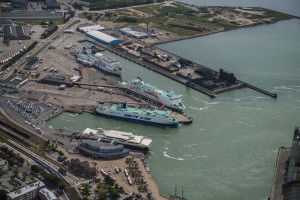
column 17, row 57
column 109, row 189
column 10, row 156
column 50, row 178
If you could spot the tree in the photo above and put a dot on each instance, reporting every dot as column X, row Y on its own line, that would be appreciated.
column 102, row 194
column 61, row 185
column 15, row 171
column 109, row 180
column 3, row 194
column 36, row 168
column 113, row 193
column 85, row 190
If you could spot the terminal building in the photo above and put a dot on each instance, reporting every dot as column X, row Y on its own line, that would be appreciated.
column 103, row 38
column 100, row 150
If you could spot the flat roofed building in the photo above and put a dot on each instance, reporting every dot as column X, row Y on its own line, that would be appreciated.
column 85, row 29
column 133, row 33
column 27, row 192
column 41, row 14
column 14, row 81
column 55, row 79
column 46, row 194
column 19, row 4
column 32, row 63
column 51, row 5
column 103, row 38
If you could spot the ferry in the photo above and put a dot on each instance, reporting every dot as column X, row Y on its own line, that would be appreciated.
column 169, row 98
column 127, row 139
column 109, row 65
column 138, row 114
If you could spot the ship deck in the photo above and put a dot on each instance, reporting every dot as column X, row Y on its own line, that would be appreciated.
column 146, row 112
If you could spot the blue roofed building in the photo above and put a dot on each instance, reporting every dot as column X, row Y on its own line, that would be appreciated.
column 103, row 38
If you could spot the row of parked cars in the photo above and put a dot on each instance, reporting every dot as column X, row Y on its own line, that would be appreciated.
column 27, row 109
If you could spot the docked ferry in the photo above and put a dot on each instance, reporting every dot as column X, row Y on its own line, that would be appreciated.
column 138, row 114
column 108, row 65
column 169, row 98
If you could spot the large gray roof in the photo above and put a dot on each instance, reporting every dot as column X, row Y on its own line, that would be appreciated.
column 15, row 31
column 31, row 15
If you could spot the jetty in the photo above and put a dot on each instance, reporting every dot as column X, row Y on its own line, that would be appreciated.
column 201, row 78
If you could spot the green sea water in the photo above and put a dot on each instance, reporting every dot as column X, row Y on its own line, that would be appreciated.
column 229, row 152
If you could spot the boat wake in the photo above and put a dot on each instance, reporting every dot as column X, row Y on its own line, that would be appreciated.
column 240, row 122
column 204, row 108
column 73, row 114
column 251, row 108
column 166, row 155
column 190, row 145
column 287, row 88
column 51, row 127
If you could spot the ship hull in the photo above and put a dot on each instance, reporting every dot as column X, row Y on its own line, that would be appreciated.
column 123, row 118
column 108, row 72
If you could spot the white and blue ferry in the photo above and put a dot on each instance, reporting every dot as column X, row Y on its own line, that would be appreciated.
column 138, row 114
column 169, row 98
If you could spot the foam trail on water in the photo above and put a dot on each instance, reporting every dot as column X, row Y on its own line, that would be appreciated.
column 166, row 155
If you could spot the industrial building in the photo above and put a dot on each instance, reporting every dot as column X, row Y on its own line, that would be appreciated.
column 27, row 192
column 103, row 38
column 19, row 4
column 51, row 5
column 6, row 7
column 32, row 63
column 56, row 79
column 14, row 81
column 85, row 29
column 41, row 14
column 133, row 33
column 15, row 33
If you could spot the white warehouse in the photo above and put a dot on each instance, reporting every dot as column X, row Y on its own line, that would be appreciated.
column 103, row 38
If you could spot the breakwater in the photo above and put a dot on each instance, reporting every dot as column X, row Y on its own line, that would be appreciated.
column 155, row 67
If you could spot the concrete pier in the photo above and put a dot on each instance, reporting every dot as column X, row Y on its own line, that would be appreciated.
column 154, row 67
column 283, row 155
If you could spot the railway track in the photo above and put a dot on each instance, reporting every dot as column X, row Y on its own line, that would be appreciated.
column 5, row 137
